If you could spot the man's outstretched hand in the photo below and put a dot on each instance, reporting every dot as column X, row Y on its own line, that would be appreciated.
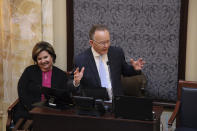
column 78, row 75
column 137, row 65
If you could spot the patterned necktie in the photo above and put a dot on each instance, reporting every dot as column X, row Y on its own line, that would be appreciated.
column 102, row 73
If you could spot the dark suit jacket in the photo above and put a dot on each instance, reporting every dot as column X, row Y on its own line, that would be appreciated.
column 29, row 87
column 117, row 66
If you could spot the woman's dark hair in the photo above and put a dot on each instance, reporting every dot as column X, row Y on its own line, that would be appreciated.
column 43, row 46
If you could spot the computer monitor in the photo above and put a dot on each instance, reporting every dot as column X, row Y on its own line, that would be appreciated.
column 96, row 93
column 89, row 106
column 130, row 107
column 57, row 98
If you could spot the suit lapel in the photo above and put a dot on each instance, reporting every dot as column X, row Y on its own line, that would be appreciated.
column 110, row 61
column 109, row 54
column 93, row 68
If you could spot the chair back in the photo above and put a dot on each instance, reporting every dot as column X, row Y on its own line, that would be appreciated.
column 187, row 94
column 134, row 85
column 21, row 124
column 10, row 119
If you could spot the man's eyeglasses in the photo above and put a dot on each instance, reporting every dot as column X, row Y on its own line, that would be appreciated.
column 103, row 43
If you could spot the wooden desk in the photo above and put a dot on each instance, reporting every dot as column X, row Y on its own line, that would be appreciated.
column 45, row 119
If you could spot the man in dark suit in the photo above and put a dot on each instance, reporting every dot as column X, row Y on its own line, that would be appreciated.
column 87, row 74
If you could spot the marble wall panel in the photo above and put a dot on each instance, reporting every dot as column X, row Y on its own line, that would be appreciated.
column 21, row 25
column 47, row 20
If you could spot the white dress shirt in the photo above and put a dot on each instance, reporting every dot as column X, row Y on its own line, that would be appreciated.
column 105, row 60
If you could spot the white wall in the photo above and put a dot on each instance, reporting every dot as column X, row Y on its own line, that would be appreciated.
column 191, row 51
column 60, row 34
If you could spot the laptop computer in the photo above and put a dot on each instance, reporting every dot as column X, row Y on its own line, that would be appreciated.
column 129, row 107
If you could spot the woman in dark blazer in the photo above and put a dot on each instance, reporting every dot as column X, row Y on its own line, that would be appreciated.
column 42, row 73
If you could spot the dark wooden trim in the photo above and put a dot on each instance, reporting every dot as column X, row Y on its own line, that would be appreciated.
column 174, row 114
column 164, row 104
column 70, row 34
column 183, row 39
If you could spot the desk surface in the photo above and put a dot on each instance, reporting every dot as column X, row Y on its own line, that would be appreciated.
column 52, row 119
